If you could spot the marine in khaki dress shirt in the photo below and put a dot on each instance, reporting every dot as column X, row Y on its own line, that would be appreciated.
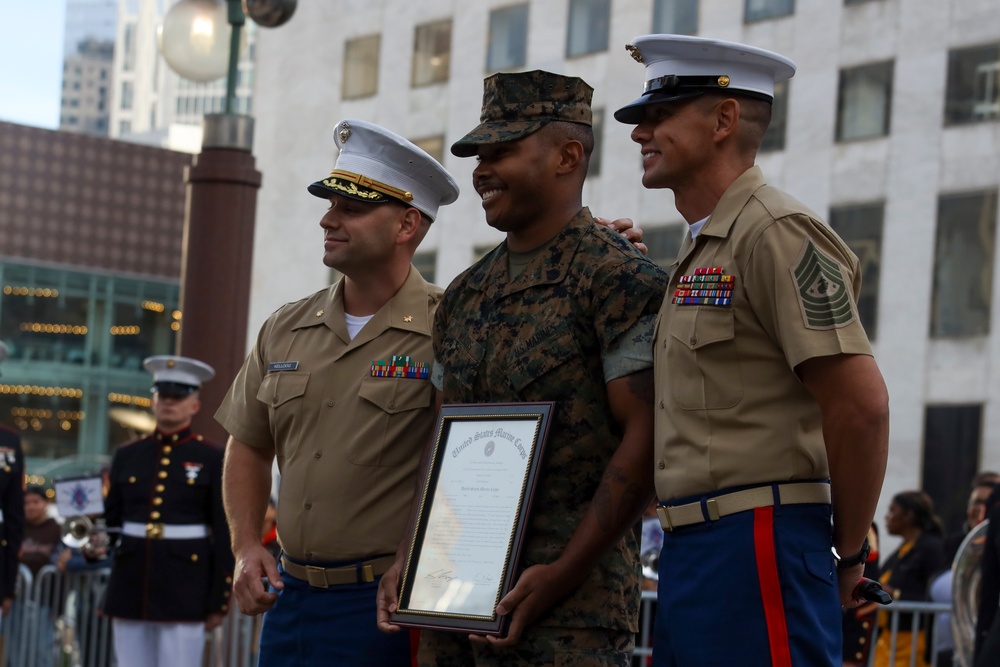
column 730, row 409
column 347, row 443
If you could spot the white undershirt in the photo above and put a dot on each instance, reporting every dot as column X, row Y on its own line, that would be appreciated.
column 355, row 324
column 695, row 227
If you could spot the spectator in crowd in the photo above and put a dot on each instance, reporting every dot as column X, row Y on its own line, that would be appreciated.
column 940, row 589
column 987, row 651
column 975, row 511
column 908, row 571
column 42, row 534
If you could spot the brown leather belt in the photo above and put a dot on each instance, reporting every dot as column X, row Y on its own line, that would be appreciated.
column 324, row 577
column 791, row 493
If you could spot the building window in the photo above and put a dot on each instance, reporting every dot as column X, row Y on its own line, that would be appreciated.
column 597, row 124
column 952, row 441
column 431, row 53
column 425, row 263
column 860, row 226
column 126, row 101
column 508, row 45
column 865, row 101
column 664, row 243
column 973, row 93
column 589, row 25
column 124, row 127
column 128, row 48
column 361, row 67
column 433, row 146
column 774, row 137
column 963, row 264
column 679, row 17
column 761, row 10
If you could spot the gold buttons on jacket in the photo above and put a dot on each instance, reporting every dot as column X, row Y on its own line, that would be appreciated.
column 162, row 474
column 160, row 488
column 167, row 449
column 131, row 480
column 164, row 461
column 154, row 515
column 194, row 558
column 157, row 501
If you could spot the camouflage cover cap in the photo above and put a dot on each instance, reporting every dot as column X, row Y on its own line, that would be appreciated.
column 516, row 105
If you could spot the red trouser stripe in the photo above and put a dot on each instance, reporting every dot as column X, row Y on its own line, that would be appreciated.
column 770, row 587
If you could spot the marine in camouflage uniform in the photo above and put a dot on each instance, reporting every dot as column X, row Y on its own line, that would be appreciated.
column 577, row 317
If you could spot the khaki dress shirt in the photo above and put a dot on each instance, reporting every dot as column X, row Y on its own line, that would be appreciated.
column 730, row 409
column 348, row 442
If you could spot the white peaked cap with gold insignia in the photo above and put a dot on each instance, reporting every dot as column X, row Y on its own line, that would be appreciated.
column 171, row 370
column 681, row 66
column 376, row 166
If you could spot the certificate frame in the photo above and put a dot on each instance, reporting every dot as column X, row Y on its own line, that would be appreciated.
column 452, row 579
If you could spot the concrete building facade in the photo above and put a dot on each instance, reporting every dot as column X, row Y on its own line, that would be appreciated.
column 890, row 130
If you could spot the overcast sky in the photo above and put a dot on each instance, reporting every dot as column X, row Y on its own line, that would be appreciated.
column 31, row 52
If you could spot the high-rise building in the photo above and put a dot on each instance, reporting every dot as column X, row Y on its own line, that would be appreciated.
column 88, row 52
column 152, row 104
column 890, row 130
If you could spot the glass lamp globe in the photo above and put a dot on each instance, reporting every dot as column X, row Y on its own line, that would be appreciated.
column 194, row 39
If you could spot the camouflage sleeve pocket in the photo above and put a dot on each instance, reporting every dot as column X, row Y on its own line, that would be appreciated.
column 536, row 363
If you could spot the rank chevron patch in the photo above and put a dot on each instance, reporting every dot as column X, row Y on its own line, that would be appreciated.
column 823, row 293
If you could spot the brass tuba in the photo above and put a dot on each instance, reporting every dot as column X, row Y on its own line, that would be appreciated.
column 966, row 578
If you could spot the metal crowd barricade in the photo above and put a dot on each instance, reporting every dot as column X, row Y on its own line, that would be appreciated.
column 643, row 643
column 54, row 623
column 922, row 613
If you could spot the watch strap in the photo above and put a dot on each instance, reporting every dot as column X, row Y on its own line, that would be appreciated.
column 856, row 559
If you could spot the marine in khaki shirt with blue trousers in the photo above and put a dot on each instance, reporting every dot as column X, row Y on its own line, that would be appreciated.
column 337, row 388
column 769, row 404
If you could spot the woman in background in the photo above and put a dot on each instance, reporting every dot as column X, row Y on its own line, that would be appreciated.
column 907, row 572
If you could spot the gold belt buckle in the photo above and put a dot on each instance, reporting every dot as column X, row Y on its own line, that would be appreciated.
column 154, row 531
column 316, row 576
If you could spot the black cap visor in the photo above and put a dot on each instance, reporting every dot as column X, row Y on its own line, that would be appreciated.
column 635, row 112
column 174, row 389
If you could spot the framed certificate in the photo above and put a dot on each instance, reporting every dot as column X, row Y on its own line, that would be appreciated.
column 472, row 515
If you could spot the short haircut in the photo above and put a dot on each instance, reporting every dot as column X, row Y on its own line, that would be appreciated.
column 559, row 131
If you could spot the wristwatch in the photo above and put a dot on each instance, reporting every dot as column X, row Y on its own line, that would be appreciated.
column 856, row 559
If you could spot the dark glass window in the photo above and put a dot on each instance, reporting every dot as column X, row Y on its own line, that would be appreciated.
column 952, row 435
column 860, row 226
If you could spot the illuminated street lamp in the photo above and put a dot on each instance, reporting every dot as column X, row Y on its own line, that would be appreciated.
column 221, row 184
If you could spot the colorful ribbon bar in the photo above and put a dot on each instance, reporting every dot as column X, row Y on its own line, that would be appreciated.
column 401, row 367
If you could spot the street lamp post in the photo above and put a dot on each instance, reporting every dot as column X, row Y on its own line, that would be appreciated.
column 221, row 199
